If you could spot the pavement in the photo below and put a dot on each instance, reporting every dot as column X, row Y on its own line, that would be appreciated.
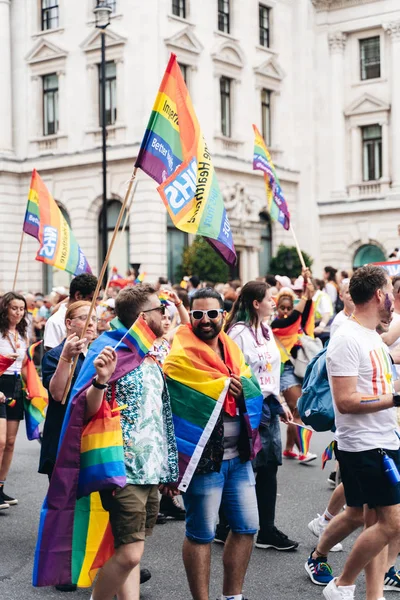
column 303, row 492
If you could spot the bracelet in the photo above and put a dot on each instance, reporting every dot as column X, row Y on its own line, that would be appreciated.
column 99, row 386
column 66, row 360
column 179, row 304
column 304, row 298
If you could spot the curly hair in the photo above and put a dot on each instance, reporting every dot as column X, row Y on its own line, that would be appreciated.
column 4, row 324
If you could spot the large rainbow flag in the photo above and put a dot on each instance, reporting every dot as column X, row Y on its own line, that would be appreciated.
column 45, row 221
column 36, row 399
column 74, row 537
column 392, row 267
column 174, row 153
column 277, row 207
column 198, row 382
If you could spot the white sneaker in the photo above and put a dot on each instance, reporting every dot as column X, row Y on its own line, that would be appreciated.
column 317, row 526
column 333, row 592
column 4, row 505
column 306, row 458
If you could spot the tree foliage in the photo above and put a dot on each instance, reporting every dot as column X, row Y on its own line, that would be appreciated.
column 287, row 262
column 202, row 260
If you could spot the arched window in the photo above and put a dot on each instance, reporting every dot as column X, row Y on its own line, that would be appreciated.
column 177, row 241
column 366, row 254
column 266, row 244
column 120, row 253
column 53, row 277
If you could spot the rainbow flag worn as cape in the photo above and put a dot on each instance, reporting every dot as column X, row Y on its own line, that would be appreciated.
column 303, row 438
column 74, row 537
column 45, row 221
column 139, row 337
column 328, row 453
column 277, row 206
column 198, row 382
column 36, row 398
column 174, row 154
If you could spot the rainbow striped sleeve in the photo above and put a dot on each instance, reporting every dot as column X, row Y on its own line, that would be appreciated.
column 139, row 337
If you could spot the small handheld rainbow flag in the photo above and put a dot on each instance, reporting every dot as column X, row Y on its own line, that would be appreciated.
column 163, row 297
column 139, row 337
column 35, row 406
column 303, row 438
column 140, row 277
column 11, row 402
column 328, row 453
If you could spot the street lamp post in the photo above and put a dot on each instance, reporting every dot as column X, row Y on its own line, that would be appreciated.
column 102, row 14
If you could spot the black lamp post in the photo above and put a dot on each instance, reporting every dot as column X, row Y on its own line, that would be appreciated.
column 102, row 14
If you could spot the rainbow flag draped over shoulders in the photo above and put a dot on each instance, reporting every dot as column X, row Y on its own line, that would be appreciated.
column 36, row 399
column 198, row 382
column 277, row 206
column 74, row 537
column 45, row 221
column 174, row 154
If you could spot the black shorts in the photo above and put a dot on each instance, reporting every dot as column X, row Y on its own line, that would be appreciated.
column 11, row 386
column 364, row 480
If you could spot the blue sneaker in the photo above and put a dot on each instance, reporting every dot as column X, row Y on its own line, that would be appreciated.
column 392, row 581
column 318, row 570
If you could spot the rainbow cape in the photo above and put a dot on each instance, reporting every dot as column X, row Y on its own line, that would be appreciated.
column 277, row 206
column 139, row 337
column 74, row 537
column 36, row 399
column 45, row 221
column 174, row 154
column 328, row 453
column 198, row 382
column 303, row 438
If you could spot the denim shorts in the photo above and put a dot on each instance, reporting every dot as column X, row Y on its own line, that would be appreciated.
column 288, row 378
column 234, row 489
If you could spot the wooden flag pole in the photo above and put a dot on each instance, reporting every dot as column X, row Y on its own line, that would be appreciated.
column 303, row 264
column 128, row 210
column 100, row 279
column 18, row 259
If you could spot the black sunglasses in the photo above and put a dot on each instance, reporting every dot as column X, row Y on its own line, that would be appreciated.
column 213, row 313
column 161, row 308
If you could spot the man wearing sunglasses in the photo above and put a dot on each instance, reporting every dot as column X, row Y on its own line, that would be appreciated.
column 223, row 475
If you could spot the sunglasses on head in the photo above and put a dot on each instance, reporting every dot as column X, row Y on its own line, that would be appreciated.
column 161, row 308
column 213, row 313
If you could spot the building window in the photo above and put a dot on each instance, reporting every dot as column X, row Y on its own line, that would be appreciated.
column 223, row 16
column 367, row 254
column 184, row 69
column 111, row 94
column 120, row 253
column 225, row 92
column 112, row 4
column 49, row 14
column 177, row 241
column 265, row 245
column 263, row 16
column 370, row 58
column 179, row 8
column 50, row 104
column 372, row 152
column 266, row 116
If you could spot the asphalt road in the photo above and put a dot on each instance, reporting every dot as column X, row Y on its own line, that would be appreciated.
column 303, row 491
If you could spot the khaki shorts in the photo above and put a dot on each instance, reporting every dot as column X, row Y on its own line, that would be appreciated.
column 133, row 512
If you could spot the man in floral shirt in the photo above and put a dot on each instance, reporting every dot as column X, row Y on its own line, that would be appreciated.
column 149, row 446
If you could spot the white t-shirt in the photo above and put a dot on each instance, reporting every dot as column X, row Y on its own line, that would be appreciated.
column 356, row 351
column 331, row 290
column 340, row 318
column 55, row 331
column 395, row 320
column 6, row 348
column 262, row 355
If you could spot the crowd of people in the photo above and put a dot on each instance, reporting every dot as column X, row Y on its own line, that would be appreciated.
column 239, row 351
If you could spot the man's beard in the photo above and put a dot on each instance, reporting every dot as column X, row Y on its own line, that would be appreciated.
column 385, row 311
column 209, row 334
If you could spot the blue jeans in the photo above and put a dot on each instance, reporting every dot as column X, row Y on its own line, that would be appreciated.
column 233, row 488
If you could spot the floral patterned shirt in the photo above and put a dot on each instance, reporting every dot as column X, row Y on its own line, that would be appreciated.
column 148, row 433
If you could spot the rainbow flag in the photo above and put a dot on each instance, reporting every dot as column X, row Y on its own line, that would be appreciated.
column 164, row 298
column 303, row 438
column 5, row 363
column 198, row 382
column 36, row 399
column 140, row 278
column 392, row 267
column 328, row 453
column 287, row 338
column 175, row 155
column 139, row 338
column 277, row 207
column 45, row 221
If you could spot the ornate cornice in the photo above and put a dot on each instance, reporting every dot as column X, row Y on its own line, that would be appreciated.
column 392, row 29
column 337, row 41
column 321, row 5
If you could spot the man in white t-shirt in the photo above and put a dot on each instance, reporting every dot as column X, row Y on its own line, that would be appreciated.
column 392, row 337
column 348, row 307
column 359, row 370
column 82, row 287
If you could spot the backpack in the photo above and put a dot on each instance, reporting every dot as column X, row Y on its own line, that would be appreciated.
column 315, row 404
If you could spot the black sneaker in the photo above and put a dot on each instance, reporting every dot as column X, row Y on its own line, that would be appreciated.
column 7, row 499
column 221, row 533
column 332, row 479
column 171, row 508
column 275, row 539
column 161, row 519
column 145, row 575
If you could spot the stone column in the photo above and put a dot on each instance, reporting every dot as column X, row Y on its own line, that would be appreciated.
column 6, row 142
column 393, row 30
column 337, row 44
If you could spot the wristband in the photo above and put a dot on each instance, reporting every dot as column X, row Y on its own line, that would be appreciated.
column 99, row 386
column 69, row 361
column 179, row 304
